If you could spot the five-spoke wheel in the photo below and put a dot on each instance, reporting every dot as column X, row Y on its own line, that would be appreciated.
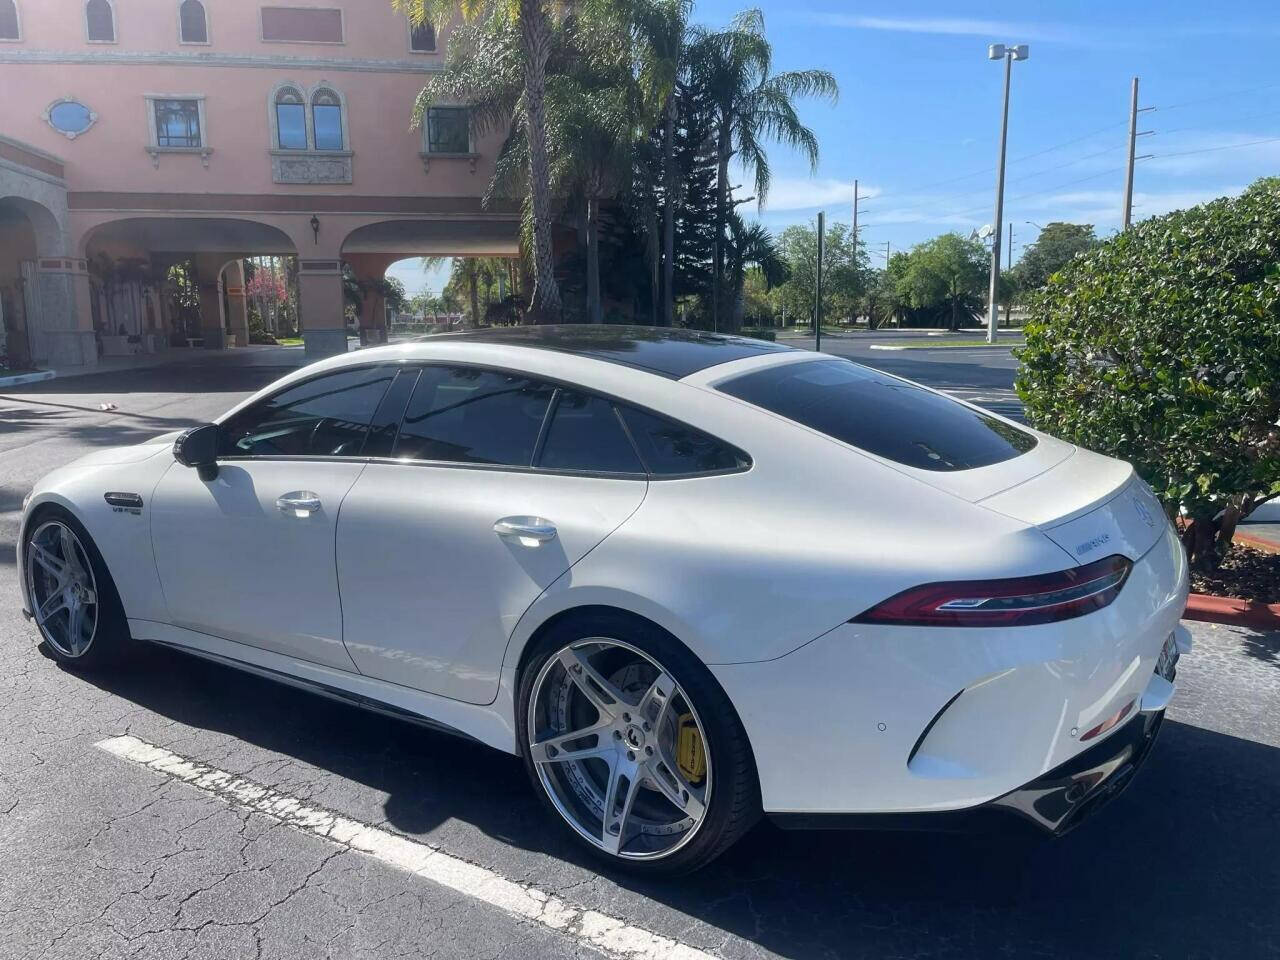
column 619, row 749
column 62, row 588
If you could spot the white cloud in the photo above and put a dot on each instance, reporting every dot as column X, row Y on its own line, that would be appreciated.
column 993, row 30
column 810, row 193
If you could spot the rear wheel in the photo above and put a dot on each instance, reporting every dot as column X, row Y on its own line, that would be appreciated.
column 73, row 598
column 633, row 745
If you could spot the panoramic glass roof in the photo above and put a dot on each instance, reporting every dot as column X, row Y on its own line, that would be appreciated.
column 667, row 351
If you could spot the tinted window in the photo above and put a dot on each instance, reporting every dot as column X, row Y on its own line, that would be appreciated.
column 585, row 434
column 669, row 447
column 882, row 415
column 473, row 416
column 327, row 416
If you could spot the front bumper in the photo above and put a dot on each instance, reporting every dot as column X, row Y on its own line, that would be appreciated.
column 1053, row 803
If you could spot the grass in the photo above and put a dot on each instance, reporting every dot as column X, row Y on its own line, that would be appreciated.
column 288, row 341
column 935, row 344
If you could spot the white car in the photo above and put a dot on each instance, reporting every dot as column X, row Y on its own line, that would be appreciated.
column 689, row 578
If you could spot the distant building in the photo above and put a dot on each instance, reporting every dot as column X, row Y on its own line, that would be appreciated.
column 140, row 133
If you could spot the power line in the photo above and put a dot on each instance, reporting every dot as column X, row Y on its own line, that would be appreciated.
column 1220, row 96
column 1020, row 159
column 1225, row 146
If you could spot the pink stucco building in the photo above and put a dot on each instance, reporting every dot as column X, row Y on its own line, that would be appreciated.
column 162, row 130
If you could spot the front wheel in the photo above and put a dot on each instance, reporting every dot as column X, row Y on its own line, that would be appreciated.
column 73, row 598
column 633, row 745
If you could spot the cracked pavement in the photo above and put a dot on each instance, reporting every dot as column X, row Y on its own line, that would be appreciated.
column 101, row 858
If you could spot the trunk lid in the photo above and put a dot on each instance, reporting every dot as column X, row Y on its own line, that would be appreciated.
column 1089, row 505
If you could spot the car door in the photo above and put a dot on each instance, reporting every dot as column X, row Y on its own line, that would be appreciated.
column 249, row 555
column 499, row 483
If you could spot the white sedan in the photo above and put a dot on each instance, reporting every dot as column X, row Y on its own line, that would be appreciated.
column 690, row 579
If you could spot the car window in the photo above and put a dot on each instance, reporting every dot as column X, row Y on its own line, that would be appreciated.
column 586, row 434
column 326, row 416
column 468, row 415
column 671, row 448
column 891, row 418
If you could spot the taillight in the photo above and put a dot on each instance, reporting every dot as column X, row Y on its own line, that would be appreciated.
column 1014, row 602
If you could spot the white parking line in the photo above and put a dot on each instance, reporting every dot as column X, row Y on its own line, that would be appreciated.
column 605, row 933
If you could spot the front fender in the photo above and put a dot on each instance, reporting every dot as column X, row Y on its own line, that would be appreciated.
column 122, row 535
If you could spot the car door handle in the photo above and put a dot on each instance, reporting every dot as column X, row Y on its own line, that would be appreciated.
column 530, row 531
column 299, row 503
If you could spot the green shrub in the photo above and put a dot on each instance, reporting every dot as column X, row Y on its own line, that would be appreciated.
column 760, row 333
column 1162, row 347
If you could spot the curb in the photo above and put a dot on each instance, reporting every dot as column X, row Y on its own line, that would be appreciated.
column 947, row 346
column 18, row 379
column 1266, row 546
column 1233, row 611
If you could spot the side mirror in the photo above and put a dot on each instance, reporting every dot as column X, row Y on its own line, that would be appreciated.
column 198, row 448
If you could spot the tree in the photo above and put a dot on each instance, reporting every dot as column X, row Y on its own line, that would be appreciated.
column 1160, row 346
column 532, row 22
column 751, row 105
column 1056, row 246
column 945, row 277
column 843, row 271
column 751, row 247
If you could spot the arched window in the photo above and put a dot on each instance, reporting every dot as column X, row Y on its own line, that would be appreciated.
column 100, row 21
column 326, row 120
column 192, row 25
column 9, row 29
column 291, row 119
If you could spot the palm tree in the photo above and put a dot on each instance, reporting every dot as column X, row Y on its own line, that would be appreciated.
column 532, row 23
column 752, row 104
column 751, row 247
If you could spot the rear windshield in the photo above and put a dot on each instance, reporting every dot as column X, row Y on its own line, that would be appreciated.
column 881, row 414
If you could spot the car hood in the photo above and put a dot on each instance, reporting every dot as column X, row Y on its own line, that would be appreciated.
column 133, row 453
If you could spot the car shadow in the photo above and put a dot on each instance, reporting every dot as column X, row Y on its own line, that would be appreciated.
column 1186, row 863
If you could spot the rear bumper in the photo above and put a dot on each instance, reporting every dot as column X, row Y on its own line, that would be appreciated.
column 1053, row 803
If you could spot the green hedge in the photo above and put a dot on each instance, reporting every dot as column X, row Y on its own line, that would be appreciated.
column 1162, row 346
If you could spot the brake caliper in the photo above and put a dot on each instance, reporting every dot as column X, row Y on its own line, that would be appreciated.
column 690, row 756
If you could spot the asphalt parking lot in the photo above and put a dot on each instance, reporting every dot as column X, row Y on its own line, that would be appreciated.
column 125, row 851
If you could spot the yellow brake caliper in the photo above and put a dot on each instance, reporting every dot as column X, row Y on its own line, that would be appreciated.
column 690, row 756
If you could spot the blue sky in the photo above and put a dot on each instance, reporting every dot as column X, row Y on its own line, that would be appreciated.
column 918, row 118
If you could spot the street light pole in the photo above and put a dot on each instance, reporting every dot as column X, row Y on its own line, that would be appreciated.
column 817, row 285
column 998, row 51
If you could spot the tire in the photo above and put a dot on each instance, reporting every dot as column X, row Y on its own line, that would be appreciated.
column 106, row 642
column 573, row 775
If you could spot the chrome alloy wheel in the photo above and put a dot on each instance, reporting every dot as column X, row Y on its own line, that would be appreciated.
column 606, row 727
column 63, row 592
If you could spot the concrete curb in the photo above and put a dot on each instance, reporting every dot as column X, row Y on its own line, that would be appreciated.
column 946, row 346
column 1233, row 611
column 18, row 379
column 1266, row 546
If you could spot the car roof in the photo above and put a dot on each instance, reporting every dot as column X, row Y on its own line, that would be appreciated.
column 666, row 351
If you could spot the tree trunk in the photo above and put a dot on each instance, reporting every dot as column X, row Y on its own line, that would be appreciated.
column 722, row 216
column 535, row 36
column 670, row 187
column 474, row 288
column 594, row 312
column 955, row 314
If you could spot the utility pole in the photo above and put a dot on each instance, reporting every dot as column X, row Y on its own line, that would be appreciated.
column 817, row 285
column 999, row 51
column 855, row 221
column 1134, row 110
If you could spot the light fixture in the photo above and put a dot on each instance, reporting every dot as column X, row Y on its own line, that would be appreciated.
column 315, row 228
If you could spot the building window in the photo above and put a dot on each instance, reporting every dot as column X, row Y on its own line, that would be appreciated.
column 9, row 28
column 178, row 124
column 70, row 117
column 301, row 25
column 422, row 38
column 291, row 120
column 193, row 27
column 448, row 130
column 326, row 120
column 100, row 21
